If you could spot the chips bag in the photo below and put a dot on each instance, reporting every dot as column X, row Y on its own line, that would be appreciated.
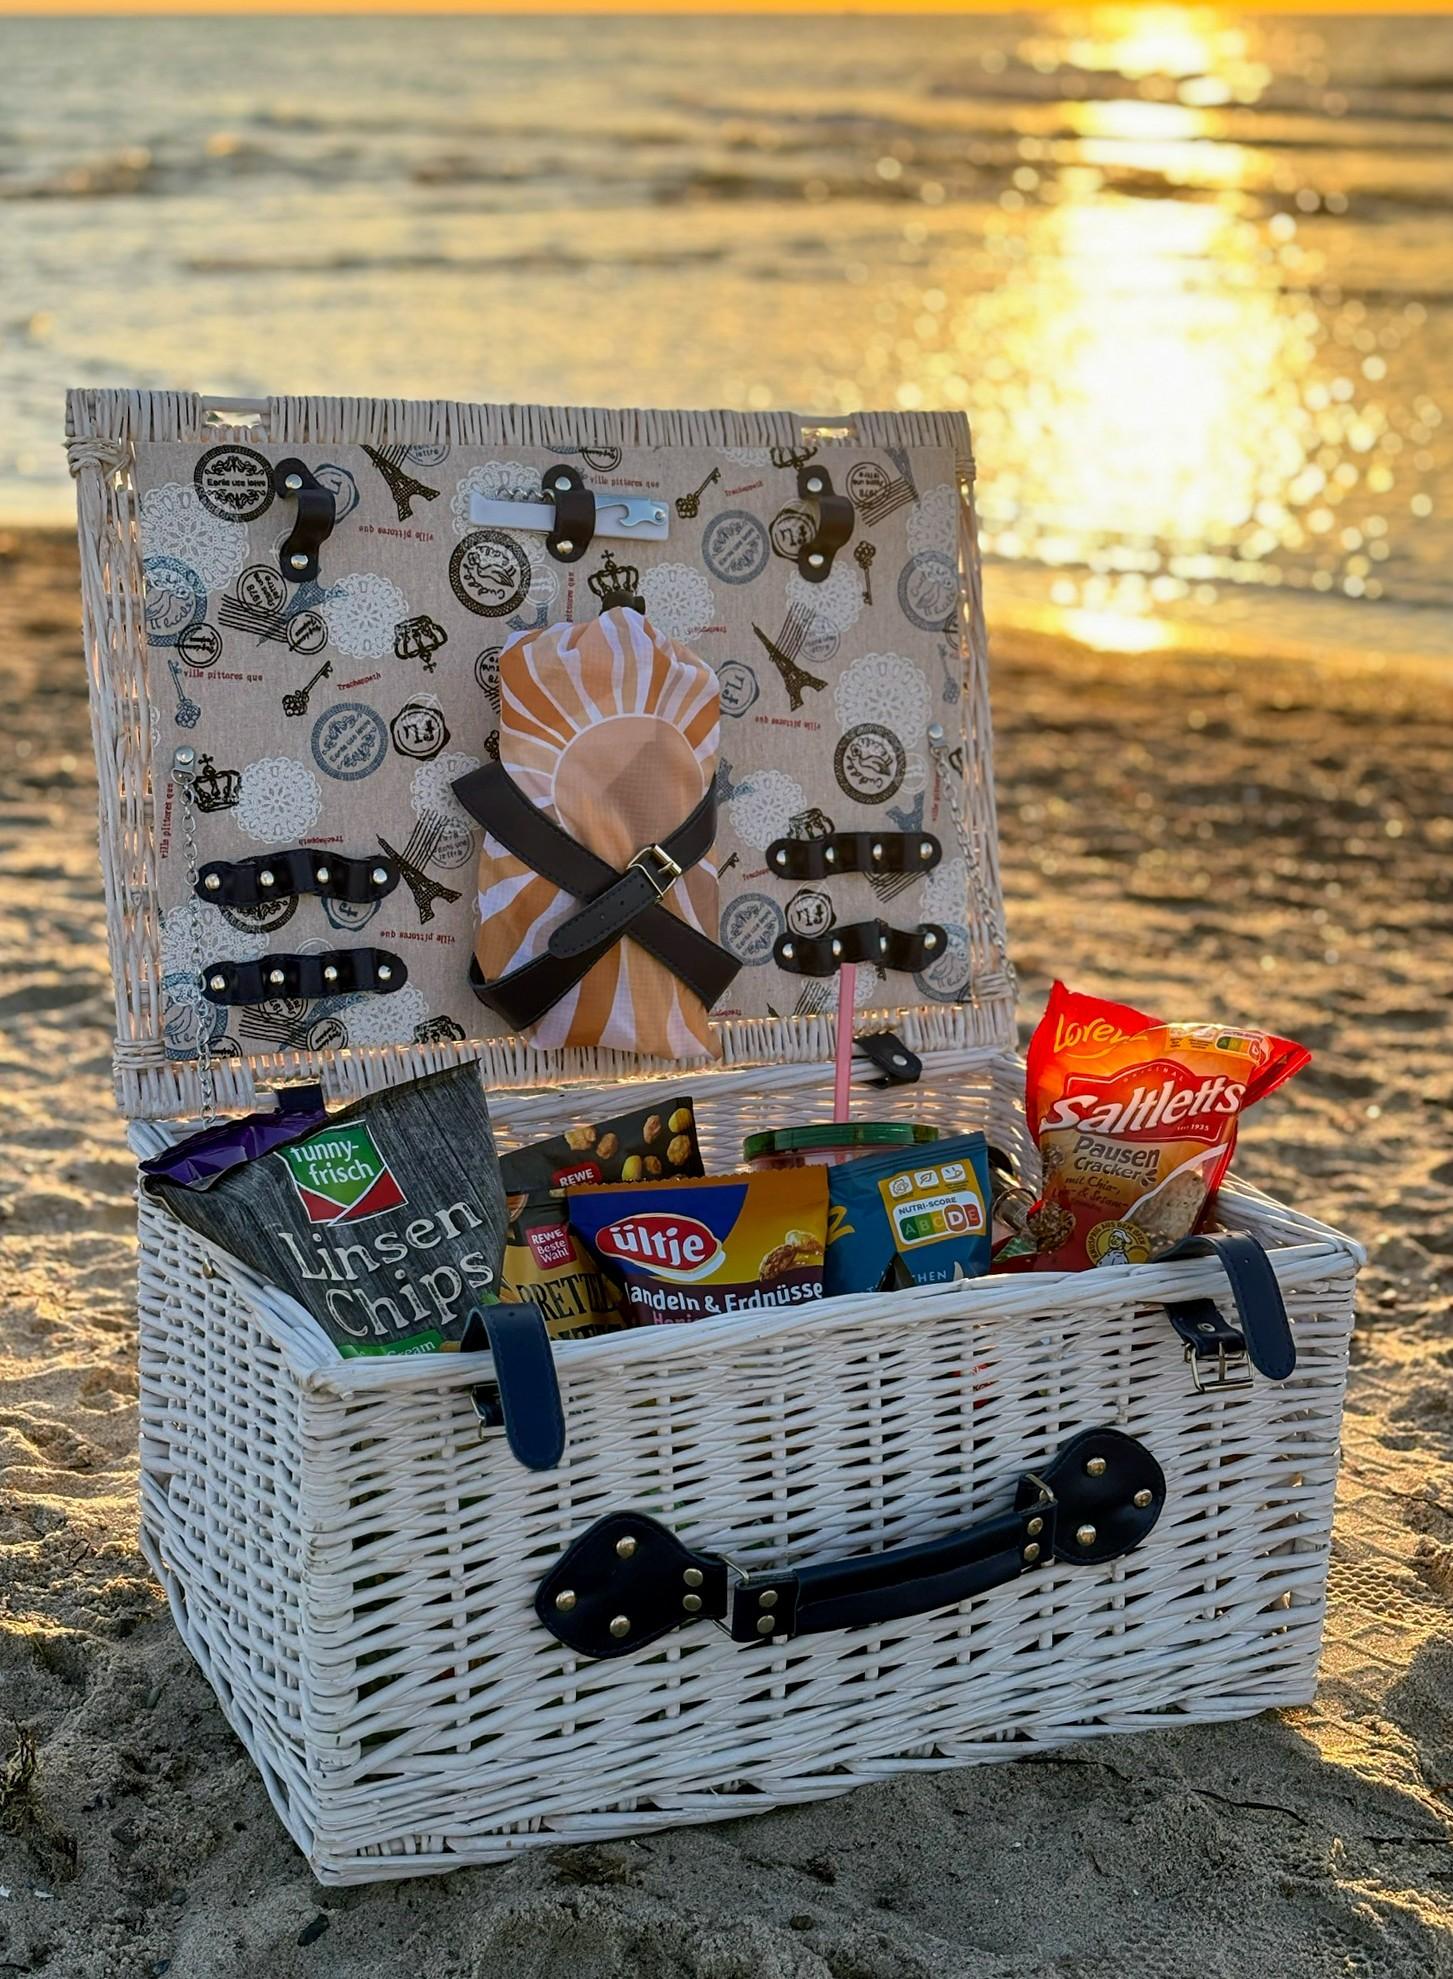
column 1136, row 1125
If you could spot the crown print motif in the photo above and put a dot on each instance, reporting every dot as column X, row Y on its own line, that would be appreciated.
column 616, row 585
column 214, row 789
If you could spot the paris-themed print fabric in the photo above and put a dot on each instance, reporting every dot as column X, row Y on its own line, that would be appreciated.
column 339, row 712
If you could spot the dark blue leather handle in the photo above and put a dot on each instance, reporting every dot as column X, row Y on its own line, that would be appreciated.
column 1265, row 1330
column 524, row 1381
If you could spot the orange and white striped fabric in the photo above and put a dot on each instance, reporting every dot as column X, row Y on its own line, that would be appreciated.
column 611, row 731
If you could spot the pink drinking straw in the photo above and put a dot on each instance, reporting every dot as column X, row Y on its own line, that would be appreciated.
column 847, row 996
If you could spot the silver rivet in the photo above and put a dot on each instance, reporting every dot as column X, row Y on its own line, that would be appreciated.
column 565, row 1600
column 882, row 944
column 217, row 982
column 322, row 876
column 899, row 1059
column 298, row 561
column 276, row 976
column 787, row 951
column 1143, row 1498
column 330, row 974
column 693, row 1577
column 877, row 851
column 212, row 882
column 768, row 1599
column 814, row 486
column 620, row 1625
column 183, row 759
column 658, row 515
column 816, row 559
column 765, row 1625
column 1031, row 1551
column 564, row 546
column 1205, row 1326
column 930, row 941
column 1034, row 1528
column 782, row 856
column 925, row 850
column 385, row 974
column 267, row 877
column 829, row 855
column 837, row 947
column 691, row 1603
column 379, row 876
column 293, row 482
column 935, row 733
column 1095, row 1467
column 1085, row 1535
column 625, row 1548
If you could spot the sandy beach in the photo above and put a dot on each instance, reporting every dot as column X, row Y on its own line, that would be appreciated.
column 1266, row 842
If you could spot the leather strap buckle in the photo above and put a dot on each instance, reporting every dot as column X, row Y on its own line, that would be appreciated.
column 659, row 868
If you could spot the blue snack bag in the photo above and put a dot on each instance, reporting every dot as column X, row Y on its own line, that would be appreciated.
column 914, row 1216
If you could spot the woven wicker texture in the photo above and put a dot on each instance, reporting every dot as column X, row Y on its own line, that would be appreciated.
column 352, row 1563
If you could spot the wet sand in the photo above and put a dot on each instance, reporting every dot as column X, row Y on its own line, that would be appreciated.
column 1264, row 842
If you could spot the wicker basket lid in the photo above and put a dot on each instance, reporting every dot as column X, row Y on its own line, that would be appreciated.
column 335, row 712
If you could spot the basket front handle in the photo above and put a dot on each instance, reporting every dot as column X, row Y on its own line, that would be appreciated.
column 629, row 1579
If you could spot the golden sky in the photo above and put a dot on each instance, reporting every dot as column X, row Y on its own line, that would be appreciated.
column 44, row 7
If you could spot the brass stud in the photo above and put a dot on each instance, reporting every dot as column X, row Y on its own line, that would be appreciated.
column 1095, row 1467
column 1034, row 1528
column 691, row 1603
column 625, row 1548
column 276, row 976
column 1031, row 1551
column 693, row 1577
column 620, row 1625
column 217, row 982
column 298, row 560
column 565, row 1600
column 1143, row 1498
column 769, row 1599
column 385, row 974
column 1085, row 1534
column 212, row 883
column 765, row 1625
column 322, row 876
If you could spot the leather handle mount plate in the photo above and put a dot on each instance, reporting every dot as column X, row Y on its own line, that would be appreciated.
column 278, row 875
column 330, row 972
column 628, row 1579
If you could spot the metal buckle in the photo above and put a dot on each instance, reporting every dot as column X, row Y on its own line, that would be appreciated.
column 1228, row 1370
column 665, row 872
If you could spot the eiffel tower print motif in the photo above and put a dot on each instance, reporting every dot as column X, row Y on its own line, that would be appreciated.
column 423, row 844
column 783, row 650
column 403, row 487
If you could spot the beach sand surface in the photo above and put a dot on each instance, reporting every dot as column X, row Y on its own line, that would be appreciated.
column 1261, row 842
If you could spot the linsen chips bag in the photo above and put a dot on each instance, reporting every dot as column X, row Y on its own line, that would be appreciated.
column 385, row 1220
column 1136, row 1125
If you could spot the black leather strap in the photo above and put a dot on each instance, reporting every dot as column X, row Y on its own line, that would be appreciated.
column 1265, row 1334
column 300, row 869
column 629, row 1579
column 853, row 852
column 330, row 972
column 898, row 1065
column 616, row 904
column 297, row 555
column 908, row 949
column 525, row 1394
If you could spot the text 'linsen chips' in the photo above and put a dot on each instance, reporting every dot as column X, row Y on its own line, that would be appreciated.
column 692, row 1250
column 386, row 1221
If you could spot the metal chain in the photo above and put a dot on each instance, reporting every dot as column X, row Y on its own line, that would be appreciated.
column 939, row 749
column 184, row 770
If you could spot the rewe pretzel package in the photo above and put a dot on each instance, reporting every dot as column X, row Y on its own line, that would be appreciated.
column 1136, row 1124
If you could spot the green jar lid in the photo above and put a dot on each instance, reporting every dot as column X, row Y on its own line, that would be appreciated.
column 861, row 1134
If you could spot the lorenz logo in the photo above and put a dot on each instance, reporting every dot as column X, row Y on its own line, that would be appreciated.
column 676, row 1247
column 341, row 1176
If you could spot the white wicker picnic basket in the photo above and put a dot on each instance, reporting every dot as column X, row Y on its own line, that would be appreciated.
column 355, row 1564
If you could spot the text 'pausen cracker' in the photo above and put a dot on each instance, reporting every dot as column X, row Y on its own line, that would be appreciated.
column 386, row 1221
column 692, row 1250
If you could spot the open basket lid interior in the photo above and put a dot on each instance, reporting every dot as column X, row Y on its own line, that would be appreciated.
column 333, row 688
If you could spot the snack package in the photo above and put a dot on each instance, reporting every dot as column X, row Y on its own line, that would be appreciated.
column 910, row 1217
column 386, row 1220
column 545, row 1261
column 1136, row 1125
column 690, row 1250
